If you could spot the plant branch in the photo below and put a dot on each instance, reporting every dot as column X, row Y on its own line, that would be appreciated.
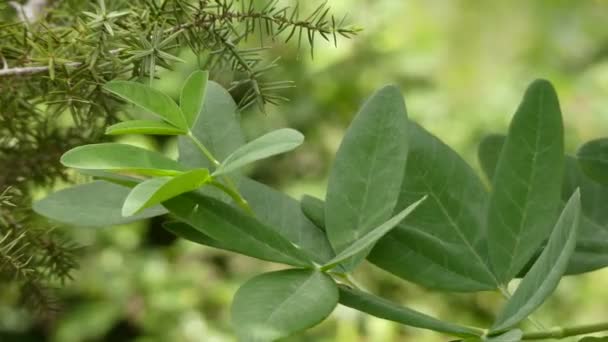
column 560, row 333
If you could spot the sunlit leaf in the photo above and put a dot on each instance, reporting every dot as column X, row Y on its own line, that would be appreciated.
column 270, row 144
column 192, row 96
column 157, row 190
column 120, row 157
column 149, row 99
column 144, row 127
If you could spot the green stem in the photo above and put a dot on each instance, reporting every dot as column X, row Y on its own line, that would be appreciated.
column 235, row 196
column 203, row 149
column 229, row 188
column 559, row 332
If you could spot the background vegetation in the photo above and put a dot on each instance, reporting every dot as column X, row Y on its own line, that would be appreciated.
column 462, row 66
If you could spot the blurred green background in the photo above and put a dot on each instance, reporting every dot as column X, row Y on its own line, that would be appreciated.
column 463, row 67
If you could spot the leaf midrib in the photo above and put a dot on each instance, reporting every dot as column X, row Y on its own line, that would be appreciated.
column 289, row 298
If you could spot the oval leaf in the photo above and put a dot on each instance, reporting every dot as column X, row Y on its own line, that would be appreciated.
column 157, row 190
column 369, row 239
column 278, row 304
column 591, row 251
column 149, row 99
column 545, row 274
column 282, row 213
column 144, row 127
column 388, row 310
column 270, row 144
column 218, row 128
column 314, row 209
column 441, row 245
column 593, row 158
column 527, row 184
column 364, row 180
column 120, row 157
column 192, row 96
column 233, row 228
column 96, row 204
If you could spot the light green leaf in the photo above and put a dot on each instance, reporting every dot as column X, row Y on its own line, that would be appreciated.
column 314, row 209
column 218, row 128
column 149, row 99
column 270, row 144
column 527, row 184
column 120, row 158
column 364, row 180
column 510, row 336
column 282, row 213
column 442, row 244
column 144, row 127
column 96, row 204
column 233, row 228
column 388, row 310
column 157, row 190
column 366, row 242
column 545, row 274
column 591, row 251
column 278, row 304
column 192, row 96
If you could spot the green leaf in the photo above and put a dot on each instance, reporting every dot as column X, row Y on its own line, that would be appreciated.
column 366, row 242
column 314, row 209
column 593, row 159
column 121, row 158
column 278, row 304
column 282, row 213
column 192, row 96
column 388, row 310
column 510, row 336
column 594, row 339
column 232, row 227
column 190, row 233
column 545, row 274
column 364, row 181
column 270, row 144
column 96, row 204
column 144, row 127
column 442, row 244
column 218, row 128
column 149, row 99
column 592, row 243
column 157, row 190
column 527, row 184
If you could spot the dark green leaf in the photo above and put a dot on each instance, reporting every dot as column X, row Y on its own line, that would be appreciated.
column 527, row 184
column 489, row 152
column 593, row 158
column 192, row 96
column 368, row 169
column 157, row 190
column 144, row 127
column 366, row 242
column 282, row 213
column 594, row 339
column 441, row 245
column 545, row 274
column 314, row 209
column 278, row 304
column 190, row 233
column 149, row 99
column 218, row 128
column 592, row 244
column 232, row 227
column 96, row 204
column 120, row 157
column 388, row 310
column 270, row 144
